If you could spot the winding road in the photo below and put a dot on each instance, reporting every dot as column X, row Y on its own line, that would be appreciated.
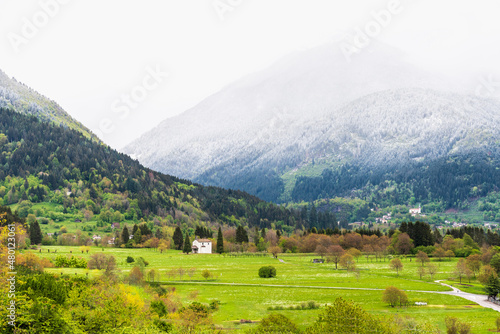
column 478, row 299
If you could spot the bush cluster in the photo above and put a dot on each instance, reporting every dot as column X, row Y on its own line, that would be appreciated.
column 267, row 272
column 310, row 305
column 70, row 262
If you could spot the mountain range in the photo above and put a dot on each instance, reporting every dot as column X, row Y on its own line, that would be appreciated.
column 313, row 112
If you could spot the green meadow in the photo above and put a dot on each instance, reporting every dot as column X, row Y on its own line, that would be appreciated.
column 244, row 295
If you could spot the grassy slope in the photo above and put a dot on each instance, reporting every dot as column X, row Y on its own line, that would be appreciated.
column 240, row 301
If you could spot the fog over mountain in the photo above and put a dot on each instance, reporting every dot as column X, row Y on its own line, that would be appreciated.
column 23, row 99
column 314, row 110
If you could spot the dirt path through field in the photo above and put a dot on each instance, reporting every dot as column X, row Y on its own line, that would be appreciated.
column 479, row 299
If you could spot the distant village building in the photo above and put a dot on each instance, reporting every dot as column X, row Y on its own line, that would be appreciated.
column 318, row 261
column 416, row 211
column 202, row 246
column 96, row 237
column 385, row 218
column 115, row 225
column 111, row 241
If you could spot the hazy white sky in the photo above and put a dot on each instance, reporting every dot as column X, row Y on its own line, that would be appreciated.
column 106, row 61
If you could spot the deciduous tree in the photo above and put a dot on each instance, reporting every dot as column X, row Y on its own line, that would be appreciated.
column 404, row 244
column 396, row 264
column 421, row 271
column 422, row 257
column 485, row 273
column 347, row 262
column 460, row 269
column 432, row 269
column 346, row 317
column 274, row 250
column 206, row 274
column 335, row 252
column 439, row 253
column 394, row 296
column 474, row 263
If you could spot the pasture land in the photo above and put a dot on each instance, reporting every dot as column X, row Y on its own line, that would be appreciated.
column 244, row 295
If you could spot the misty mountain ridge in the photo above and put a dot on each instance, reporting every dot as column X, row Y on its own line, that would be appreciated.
column 313, row 110
column 17, row 96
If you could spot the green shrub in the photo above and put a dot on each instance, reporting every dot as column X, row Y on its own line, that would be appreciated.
column 70, row 262
column 214, row 305
column 275, row 323
column 159, row 308
column 199, row 309
column 455, row 326
column 267, row 272
column 164, row 326
column 311, row 305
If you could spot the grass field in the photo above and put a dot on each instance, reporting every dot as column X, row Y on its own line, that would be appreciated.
column 243, row 295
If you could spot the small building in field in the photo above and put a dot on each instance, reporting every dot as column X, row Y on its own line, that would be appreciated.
column 202, row 246
column 318, row 261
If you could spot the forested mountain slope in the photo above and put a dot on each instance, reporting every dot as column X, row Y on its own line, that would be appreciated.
column 43, row 162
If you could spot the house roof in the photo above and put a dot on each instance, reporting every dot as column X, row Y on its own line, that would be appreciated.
column 194, row 247
column 204, row 240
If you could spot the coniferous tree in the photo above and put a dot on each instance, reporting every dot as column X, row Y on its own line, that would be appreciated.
column 438, row 238
column 134, row 229
column 241, row 235
column 313, row 216
column 35, row 233
column 125, row 235
column 159, row 233
column 187, row 245
column 178, row 238
column 145, row 229
column 220, row 242
column 138, row 236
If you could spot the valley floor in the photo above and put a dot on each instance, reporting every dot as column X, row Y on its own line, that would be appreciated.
column 243, row 295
